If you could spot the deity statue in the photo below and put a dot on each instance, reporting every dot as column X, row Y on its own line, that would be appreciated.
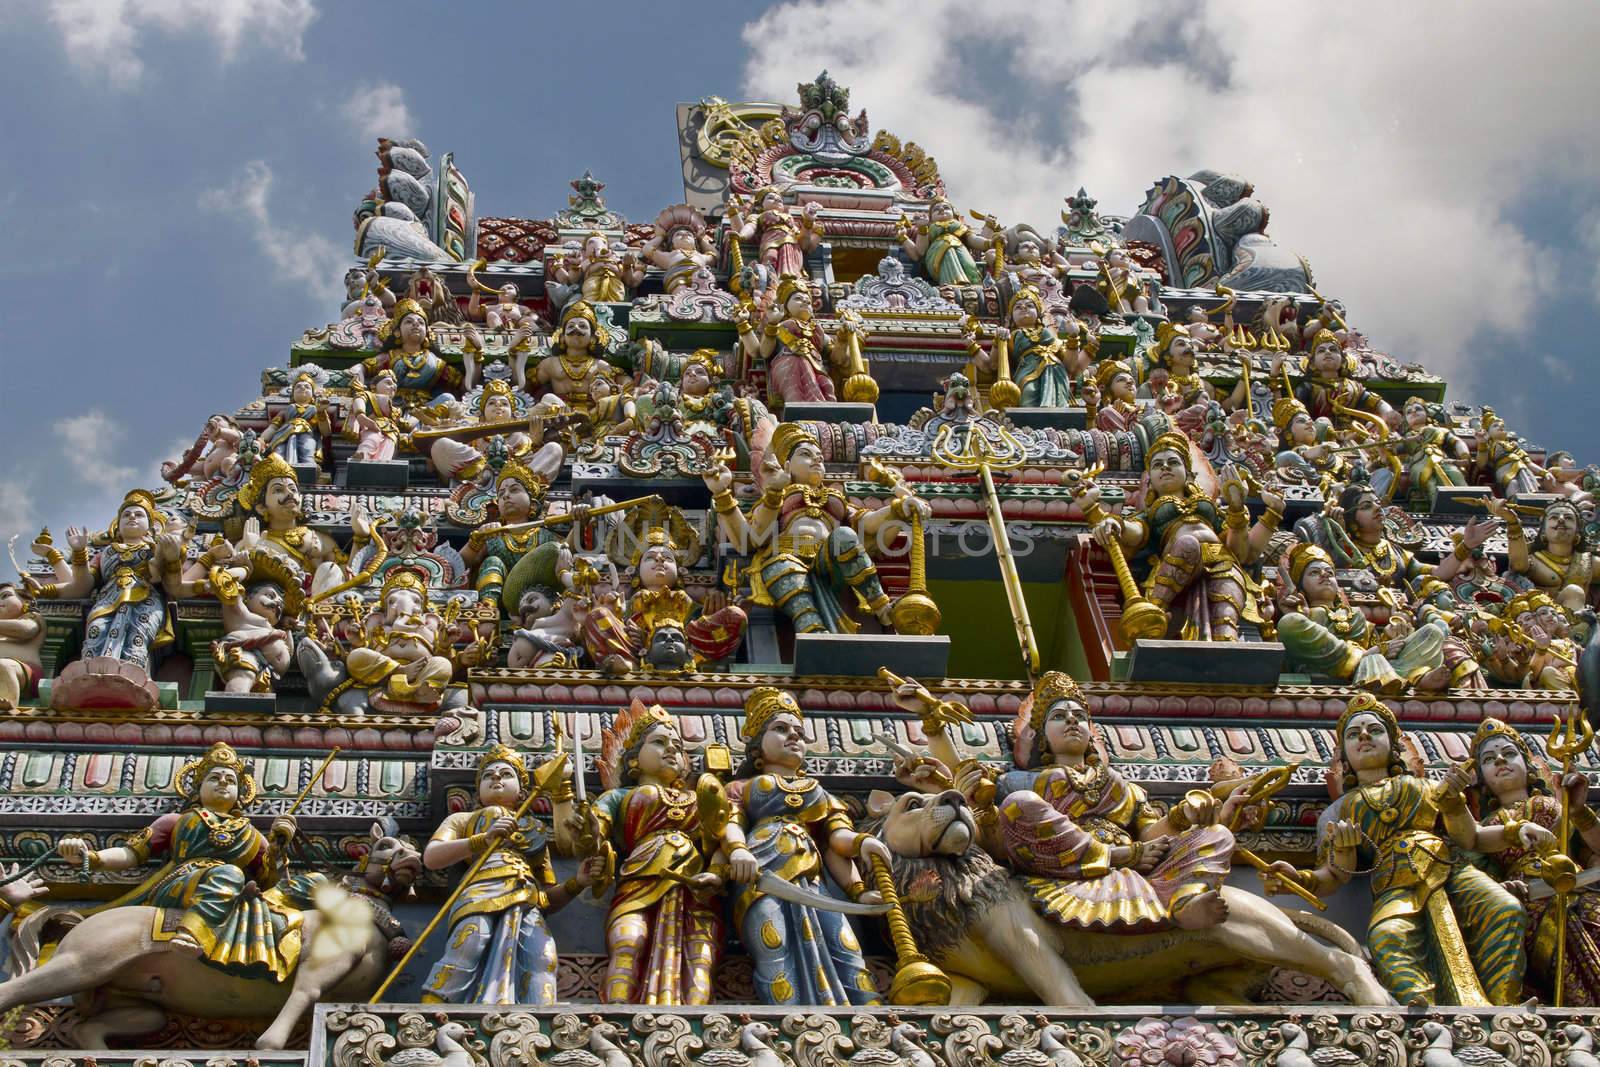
column 261, row 597
column 1322, row 632
column 499, row 949
column 944, row 245
column 600, row 275
column 680, row 246
column 1119, row 283
column 784, row 823
column 1192, row 551
column 550, row 610
column 1027, row 260
column 420, row 372
column 136, row 567
column 1516, row 788
column 784, row 242
column 1500, row 453
column 214, row 454
column 1540, row 626
column 797, row 350
column 1043, row 363
column 1113, row 397
column 377, row 419
column 229, row 881
column 1441, row 931
column 804, row 534
column 404, row 647
column 1558, row 562
column 21, row 640
column 1330, row 389
column 664, row 929
column 1095, row 853
column 1173, row 380
column 492, row 549
column 506, row 313
column 575, row 369
column 362, row 284
column 296, row 434
column 1433, row 456
column 620, row 639
column 1305, row 448
column 271, row 496
column 460, row 449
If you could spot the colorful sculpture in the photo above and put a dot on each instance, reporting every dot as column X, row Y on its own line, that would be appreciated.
column 798, row 352
column 420, row 372
column 680, row 246
column 21, row 638
column 784, row 242
column 377, row 419
column 1441, row 931
column 296, row 434
column 664, row 929
column 944, row 245
column 785, row 834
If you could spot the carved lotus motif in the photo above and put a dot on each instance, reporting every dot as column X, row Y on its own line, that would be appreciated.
column 1184, row 1042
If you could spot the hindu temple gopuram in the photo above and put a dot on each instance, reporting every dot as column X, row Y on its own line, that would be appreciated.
column 821, row 625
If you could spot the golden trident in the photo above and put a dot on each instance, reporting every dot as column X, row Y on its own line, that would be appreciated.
column 1568, row 740
column 967, row 448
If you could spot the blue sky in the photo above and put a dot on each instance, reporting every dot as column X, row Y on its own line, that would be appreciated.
column 180, row 174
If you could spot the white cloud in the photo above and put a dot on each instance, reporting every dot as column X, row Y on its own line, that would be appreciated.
column 379, row 111
column 102, row 37
column 19, row 517
column 90, row 446
column 300, row 257
column 1393, row 142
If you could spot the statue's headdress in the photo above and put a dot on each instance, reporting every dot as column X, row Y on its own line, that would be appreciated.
column 1109, row 369
column 627, row 732
column 763, row 705
column 221, row 754
column 503, row 754
column 403, row 307
column 1303, row 555
column 1539, row 772
column 787, row 437
column 493, row 388
column 1171, row 441
column 582, row 309
column 141, row 498
column 1366, row 703
column 1284, row 411
column 1028, row 728
column 405, row 578
column 512, row 471
column 1028, row 293
column 266, row 468
column 788, row 285
column 1166, row 333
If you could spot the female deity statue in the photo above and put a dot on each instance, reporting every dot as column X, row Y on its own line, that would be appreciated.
column 21, row 640
column 1433, row 456
column 377, row 419
column 1330, row 390
column 944, row 245
column 460, row 452
column 492, row 550
column 1029, row 259
column 1516, row 788
column 1094, row 852
column 296, row 434
column 784, row 823
column 420, row 372
column 1557, row 562
column 795, row 347
column 784, row 242
column 1189, row 547
column 499, row 949
column 602, row 277
column 129, row 578
column 1441, row 930
column 260, row 601
column 1113, row 395
column 576, row 371
column 216, row 864
column 1304, row 455
column 680, row 246
column 1500, row 453
column 1173, row 380
column 1323, row 633
column 804, row 535
column 1043, row 364
column 214, row 454
column 664, row 929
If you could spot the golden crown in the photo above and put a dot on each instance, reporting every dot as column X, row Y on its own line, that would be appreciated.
column 140, row 498
column 789, row 436
column 1284, row 410
column 1166, row 333
column 1109, row 370
column 403, row 307
column 1490, row 728
column 512, row 471
column 266, row 468
column 220, row 754
column 582, row 309
column 669, row 607
column 404, row 578
column 1324, row 337
column 1029, row 293
column 763, row 705
column 1303, row 555
column 788, row 285
column 627, row 730
column 503, row 754
column 1366, row 703
column 1051, row 687
column 1171, row 441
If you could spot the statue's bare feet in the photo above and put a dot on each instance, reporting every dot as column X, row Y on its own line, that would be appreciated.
column 184, row 944
column 1202, row 910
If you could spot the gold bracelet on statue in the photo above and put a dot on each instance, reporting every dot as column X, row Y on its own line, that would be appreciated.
column 572, row 887
column 855, row 889
column 1514, row 829
column 1177, row 818
column 53, row 556
column 1238, row 518
column 772, row 498
column 80, row 555
column 744, row 328
column 1452, row 804
column 723, row 502
column 95, row 862
column 1584, row 818
column 1271, row 519
column 855, row 845
column 49, row 592
column 1135, row 851
column 1514, row 531
column 478, row 844
column 1460, row 550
